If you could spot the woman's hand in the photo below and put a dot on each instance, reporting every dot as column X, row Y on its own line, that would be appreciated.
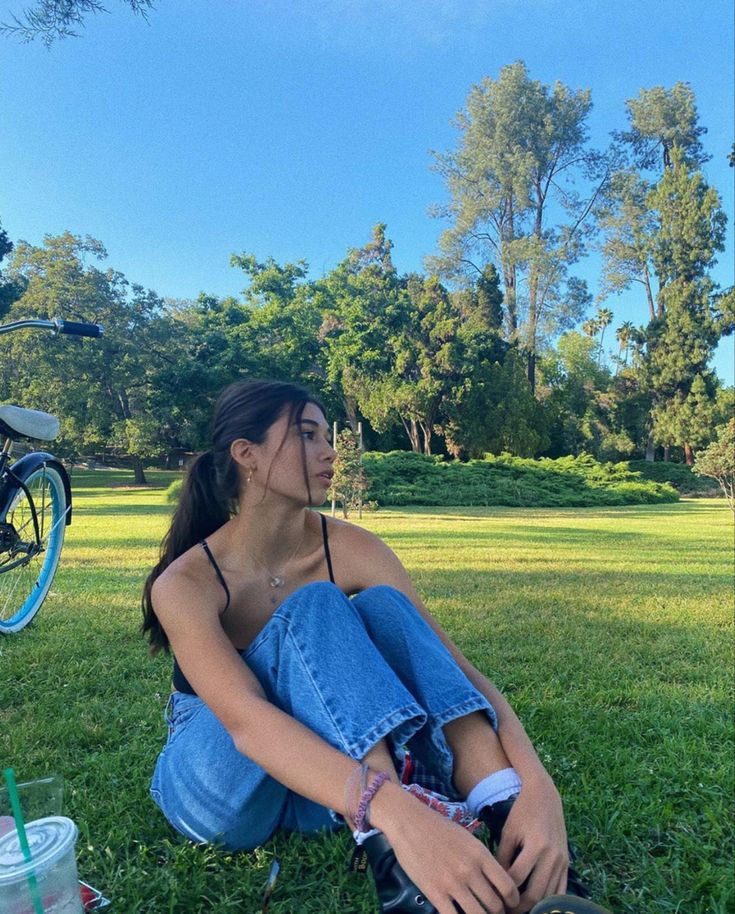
column 533, row 844
column 447, row 863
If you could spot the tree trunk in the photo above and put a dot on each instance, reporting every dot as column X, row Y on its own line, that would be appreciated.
column 532, row 371
column 667, row 453
column 412, row 430
column 689, row 454
column 140, row 479
column 509, row 277
column 533, row 295
column 426, row 429
column 650, row 447
column 351, row 413
column 649, row 293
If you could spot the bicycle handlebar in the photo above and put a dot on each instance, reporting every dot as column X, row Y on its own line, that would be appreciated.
column 74, row 328
column 77, row 329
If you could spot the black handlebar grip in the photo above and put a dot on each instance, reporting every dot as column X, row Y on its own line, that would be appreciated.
column 77, row 329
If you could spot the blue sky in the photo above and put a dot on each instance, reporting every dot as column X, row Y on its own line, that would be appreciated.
column 290, row 127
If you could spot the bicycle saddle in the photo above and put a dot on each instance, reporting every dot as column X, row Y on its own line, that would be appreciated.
column 16, row 422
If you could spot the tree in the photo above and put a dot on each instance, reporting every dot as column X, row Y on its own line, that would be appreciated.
column 660, row 120
column 485, row 306
column 103, row 390
column 522, row 145
column 423, row 357
column 495, row 411
column 662, row 227
column 350, row 483
column 627, row 225
column 281, row 319
column 9, row 290
column 570, row 381
column 624, row 336
column 50, row 20
column 718, row 461
column 689, row 232
column 604, row 319
column 363, row 304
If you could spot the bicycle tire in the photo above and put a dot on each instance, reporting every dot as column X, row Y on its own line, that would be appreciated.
column 25, row 579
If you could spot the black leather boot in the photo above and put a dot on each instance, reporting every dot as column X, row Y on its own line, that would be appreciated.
column 396, row 893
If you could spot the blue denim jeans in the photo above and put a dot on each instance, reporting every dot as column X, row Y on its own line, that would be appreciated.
column 355, row 671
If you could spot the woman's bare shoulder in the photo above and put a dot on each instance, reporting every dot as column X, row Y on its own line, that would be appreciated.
column 187, row 581
column 346, row 535
column 369, row 559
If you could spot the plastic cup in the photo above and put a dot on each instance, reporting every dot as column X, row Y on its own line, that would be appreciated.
column 38, row 798
column 54, row 865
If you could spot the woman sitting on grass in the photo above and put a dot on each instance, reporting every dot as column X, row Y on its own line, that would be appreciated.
column 306, row 662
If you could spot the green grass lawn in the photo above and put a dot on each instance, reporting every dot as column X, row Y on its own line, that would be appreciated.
column 610, row 630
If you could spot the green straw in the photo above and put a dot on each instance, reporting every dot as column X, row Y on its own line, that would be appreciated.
column 21, row 829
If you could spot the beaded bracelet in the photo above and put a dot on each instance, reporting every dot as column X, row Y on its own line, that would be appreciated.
column 361, row 816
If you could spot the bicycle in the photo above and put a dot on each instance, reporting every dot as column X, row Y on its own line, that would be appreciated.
column 35, row 500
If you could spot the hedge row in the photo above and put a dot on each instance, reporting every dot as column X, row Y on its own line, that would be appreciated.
column 404, row 478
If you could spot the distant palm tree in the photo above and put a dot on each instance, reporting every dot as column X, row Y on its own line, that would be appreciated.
column 624, row 336
column 604, row 319
column 590, row 328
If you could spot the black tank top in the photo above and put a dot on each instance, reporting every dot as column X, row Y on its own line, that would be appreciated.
column 179, row 681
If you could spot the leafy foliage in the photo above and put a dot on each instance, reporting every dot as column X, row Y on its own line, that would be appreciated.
column 350, row 484
column 522, row 144
column 107, row 392
column 678, row 475
column 402, row 478
column 718, row 461
column 663, row 119
column 50, row 20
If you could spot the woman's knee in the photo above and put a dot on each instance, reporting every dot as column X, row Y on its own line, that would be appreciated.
column 315, row 595
column 381, row 600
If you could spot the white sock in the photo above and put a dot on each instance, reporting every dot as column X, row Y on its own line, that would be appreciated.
column 501, row 785
column 361, row 836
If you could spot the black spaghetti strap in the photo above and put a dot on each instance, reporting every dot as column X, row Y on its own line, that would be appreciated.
column 208, row 553
column 327, row 554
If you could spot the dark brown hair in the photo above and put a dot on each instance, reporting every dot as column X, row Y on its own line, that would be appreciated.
column 209, row 495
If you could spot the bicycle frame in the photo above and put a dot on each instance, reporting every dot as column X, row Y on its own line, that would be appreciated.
column 35, row 500
column 10, row 480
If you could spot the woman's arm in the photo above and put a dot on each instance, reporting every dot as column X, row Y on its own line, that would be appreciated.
column 447, row 863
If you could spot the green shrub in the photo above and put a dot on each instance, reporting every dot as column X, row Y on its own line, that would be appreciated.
column 678, row 475
column 173, row 492
column 405, row 478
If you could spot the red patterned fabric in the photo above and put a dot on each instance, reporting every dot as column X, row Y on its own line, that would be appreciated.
column 455, row 812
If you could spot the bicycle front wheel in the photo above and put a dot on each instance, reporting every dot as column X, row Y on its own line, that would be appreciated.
column 31, row 538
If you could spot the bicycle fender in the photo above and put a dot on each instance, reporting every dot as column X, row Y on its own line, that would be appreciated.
column 25, row 466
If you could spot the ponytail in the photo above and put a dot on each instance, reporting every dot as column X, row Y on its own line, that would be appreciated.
column 203, row 507
column 209, row 496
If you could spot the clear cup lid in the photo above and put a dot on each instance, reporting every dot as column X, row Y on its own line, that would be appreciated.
column 49, row 839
